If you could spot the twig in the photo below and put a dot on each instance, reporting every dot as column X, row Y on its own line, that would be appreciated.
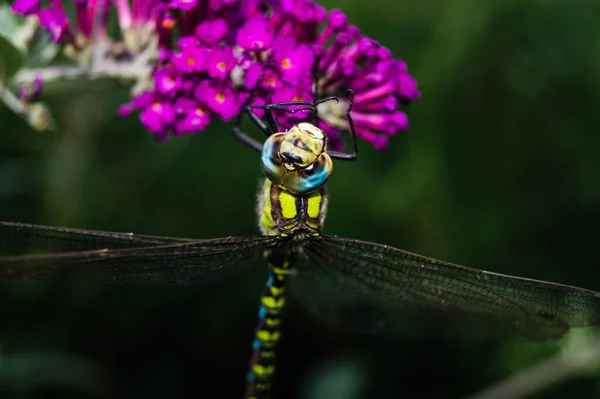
column 11, row 101
column 580, row 356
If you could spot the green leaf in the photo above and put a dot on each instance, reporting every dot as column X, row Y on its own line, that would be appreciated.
column 11, row 59
column 9, row 21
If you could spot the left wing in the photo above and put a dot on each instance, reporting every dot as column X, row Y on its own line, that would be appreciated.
column 23, row 236
column 127, row 259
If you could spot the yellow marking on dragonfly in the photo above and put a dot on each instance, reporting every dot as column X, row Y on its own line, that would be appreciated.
column 280, row 271
column 283, row 269
column 262, row 371
column 268, row 337
column 290, row 226
column 312, row 225
column 276, row 291
column 264, row 386
column 273, row 304
column 264, row 205
column 272, row 322
column 288, row 205
column 314, row 205
column 267, row 354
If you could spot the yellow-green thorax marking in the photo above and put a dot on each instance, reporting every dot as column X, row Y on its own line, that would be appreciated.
column 291, row 205
column 285, row 214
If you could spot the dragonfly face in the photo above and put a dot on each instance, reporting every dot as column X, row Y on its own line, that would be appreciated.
column 296, row 160
column 334, row 276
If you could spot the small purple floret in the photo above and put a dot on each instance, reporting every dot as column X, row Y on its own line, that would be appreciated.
column 26, row 7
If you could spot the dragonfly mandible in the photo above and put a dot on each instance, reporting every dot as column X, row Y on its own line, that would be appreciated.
column 331, row 275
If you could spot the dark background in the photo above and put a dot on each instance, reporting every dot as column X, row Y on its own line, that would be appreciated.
column 499, row 170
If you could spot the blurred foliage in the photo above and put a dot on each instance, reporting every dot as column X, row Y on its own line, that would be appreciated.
column 499, row 170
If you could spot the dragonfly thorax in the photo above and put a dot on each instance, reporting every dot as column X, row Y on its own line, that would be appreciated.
column 285, row 214
column 296, row 160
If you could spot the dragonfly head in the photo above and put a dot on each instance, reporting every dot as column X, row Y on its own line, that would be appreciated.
column 301, row 146
column 296, row 160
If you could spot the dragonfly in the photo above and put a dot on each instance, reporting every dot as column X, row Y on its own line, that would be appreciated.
column 335, row 277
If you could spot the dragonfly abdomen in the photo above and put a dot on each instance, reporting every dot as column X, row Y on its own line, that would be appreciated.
column 268, row 328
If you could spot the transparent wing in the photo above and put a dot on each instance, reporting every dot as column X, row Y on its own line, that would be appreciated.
column 366, row 286
column 23, row 236
column 172, row 261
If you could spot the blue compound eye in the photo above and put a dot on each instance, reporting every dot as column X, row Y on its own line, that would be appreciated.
column 270, row 160
column 305, row 180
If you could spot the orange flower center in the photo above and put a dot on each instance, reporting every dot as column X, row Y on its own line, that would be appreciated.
column 168, row 23
column 286, row 63
column 191, row 61
column 220, row 98
column 221, row 66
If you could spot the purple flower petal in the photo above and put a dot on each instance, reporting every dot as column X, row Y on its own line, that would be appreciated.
column 55, row 21
column 166, row 80
column 255, row 35
column 293, row 62
column 158, row 117
column 253, row 74
column 220, row 61
column 26, row 7
column 190, row 59
column 212, row 31
column 221, row 99
column 183, row 5
column 144, row 100
column 388, row 123
column 193, row 120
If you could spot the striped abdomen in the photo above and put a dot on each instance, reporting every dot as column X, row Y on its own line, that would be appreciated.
column 268, row 329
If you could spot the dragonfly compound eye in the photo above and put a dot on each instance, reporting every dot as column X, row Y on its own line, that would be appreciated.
column 300, row 169
column 309, row 179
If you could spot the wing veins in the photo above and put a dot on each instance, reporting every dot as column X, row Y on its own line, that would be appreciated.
column 540, row 301
column 135, row 264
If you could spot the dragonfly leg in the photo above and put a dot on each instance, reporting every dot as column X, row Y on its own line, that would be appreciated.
column 248, row 109
column 342, row 155
column 271, row 127
column 244, row 137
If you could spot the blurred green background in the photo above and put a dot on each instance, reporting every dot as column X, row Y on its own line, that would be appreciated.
column 499, row 170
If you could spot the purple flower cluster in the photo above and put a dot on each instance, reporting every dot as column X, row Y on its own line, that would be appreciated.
column 216, row 56
column 91, row 17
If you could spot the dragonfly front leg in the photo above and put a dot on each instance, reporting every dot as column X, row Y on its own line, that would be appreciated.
column 244, row 137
